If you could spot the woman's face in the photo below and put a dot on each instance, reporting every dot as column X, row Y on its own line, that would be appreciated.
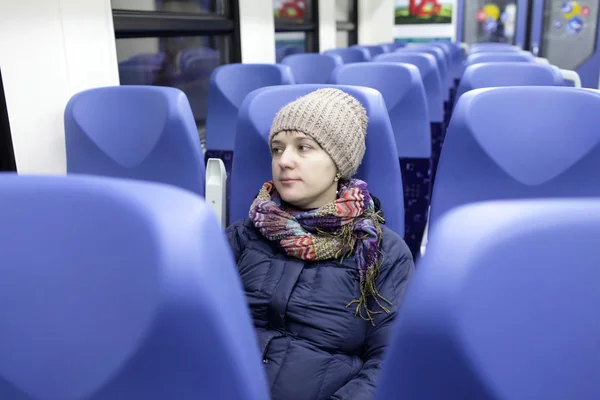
column 303, row 172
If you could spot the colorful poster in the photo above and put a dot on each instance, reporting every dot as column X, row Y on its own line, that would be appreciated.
column 289, row 8
column 410, row 12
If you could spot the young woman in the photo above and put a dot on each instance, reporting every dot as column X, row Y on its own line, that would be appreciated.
column 323, row 276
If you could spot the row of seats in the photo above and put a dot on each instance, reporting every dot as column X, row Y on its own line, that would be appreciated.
column 116, row 289
column 232, row 83
column 417, row 146
column 502, row 143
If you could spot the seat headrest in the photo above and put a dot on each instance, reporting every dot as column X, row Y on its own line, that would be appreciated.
column 430, row 75
column 351, row 54
column 229, row 85
column 252, row 159
column 493, row 311
column 138, row 132
column 519, row 142
column 491, row 74
column 312, row 67
column 405, row 99
column 119, row 289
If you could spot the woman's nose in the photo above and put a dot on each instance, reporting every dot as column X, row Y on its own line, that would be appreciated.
column 286, row 159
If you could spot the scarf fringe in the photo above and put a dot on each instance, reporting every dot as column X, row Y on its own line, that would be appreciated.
column 368, row 286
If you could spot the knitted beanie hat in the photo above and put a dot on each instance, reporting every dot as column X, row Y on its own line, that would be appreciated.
column 334, row 119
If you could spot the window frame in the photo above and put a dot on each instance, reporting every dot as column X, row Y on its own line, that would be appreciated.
column 8, row 161
column 351, row 26
column 309, row 26
column 130, row 24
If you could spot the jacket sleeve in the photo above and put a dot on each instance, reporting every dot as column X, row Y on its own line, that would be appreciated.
column 235, row 234
column 392, row 284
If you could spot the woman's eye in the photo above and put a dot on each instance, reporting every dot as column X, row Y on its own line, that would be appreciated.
column 304, row 147
column 275, row 151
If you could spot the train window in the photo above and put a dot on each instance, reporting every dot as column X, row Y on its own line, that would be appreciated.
column 287, row 43
column 173, row 6
column 345, row 10
column 299, row 10
column 489, row 21
column 569, row 32
column 346, row 22
column 185, row 63
column 342, row 39
column 176, row 43
column 296, row 27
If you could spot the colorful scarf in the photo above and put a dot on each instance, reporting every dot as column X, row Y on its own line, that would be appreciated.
column 349, row 226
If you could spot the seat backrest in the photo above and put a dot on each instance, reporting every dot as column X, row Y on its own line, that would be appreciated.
column 229, row 85
column 498, row 57
column 442, row 64
column 116, row 289
column 373, row 50
column 484, row 75
column 388, row 47
column 252, row 158
column 517, row 143
column 503, row 317
column 493, row 47
column 454, row 55
column 405, row 99
column 399, row 44
column 351, row 54
column 430, row 75
column 312, row 67
column 138, row 132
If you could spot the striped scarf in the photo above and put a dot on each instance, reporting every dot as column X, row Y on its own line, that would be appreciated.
column 349, row 226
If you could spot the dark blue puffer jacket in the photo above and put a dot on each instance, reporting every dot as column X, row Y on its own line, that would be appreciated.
column 314, row 347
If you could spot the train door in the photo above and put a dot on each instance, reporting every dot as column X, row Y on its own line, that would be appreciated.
column 566, row 33
column 502, row 21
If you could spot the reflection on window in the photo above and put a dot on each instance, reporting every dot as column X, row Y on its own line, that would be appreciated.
column 179, row 6
column 342, row 39
column 490, row 21
column 569, row 33
column 288, row 43
column 185, row 63
column 344, row 10
column 298, row 9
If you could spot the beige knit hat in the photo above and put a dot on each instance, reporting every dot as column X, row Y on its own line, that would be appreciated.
column 334, row 119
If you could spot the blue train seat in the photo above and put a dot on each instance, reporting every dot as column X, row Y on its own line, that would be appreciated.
column 443, row 66
column 398, row 44
column 312, row 67
column 388, row 47
column 137, row 132
column 351, row 54
column 229, row 86
column 493, row 47
column 485, row 75
column 118, row 289
column 517, row 143
column 498, row 57
column 455, row 61
column 496, row 312
column 252, row 155
column 373, row 50
column 404, row 96
column 432, row 81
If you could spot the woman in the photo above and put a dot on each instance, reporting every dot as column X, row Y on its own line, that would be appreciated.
column 323, row 276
